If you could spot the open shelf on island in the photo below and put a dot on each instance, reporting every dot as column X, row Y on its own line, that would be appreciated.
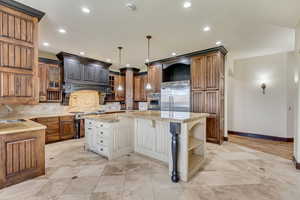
column 195, row 162
column 194, row 143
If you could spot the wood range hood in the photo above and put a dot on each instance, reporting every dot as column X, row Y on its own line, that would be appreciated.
column 82, row 73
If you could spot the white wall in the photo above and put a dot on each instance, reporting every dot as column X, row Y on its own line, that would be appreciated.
column 297, row 136
column 248, row 109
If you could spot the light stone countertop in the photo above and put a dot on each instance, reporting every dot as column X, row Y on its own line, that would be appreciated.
column 34, row 115
column 180, row 117
column 12, row 128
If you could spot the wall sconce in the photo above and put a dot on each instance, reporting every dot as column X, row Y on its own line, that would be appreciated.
column 263, row 87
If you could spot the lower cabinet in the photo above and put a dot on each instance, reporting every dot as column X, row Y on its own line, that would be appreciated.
column 58, row 128
column 109, row 139
column 22, row 156
column 152, row 138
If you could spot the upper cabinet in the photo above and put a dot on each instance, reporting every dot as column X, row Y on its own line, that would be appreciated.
column 84, row 71
column 155, row 77
column 140, row 82
column 206, row 71
column 18, row 53
column 50, row 80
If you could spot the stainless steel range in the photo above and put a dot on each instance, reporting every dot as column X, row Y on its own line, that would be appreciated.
column 79, row 116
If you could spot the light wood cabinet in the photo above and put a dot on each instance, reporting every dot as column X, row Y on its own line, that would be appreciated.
column 18, row 55
column 22, row 156
column 50, row 80
column 208, row 92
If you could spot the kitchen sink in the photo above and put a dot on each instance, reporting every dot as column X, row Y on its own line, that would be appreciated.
column 12, row 121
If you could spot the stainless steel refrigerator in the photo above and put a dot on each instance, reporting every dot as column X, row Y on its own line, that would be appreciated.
column 175, row 96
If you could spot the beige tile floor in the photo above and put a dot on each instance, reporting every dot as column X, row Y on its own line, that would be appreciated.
column 232, row 172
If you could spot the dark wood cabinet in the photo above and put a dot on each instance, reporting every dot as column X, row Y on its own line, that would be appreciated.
column 140, row 82
column 58, row 128
column 155, row 77
column 208, row 92
column 73, row 70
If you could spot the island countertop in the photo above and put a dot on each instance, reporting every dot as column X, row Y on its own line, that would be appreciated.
column 180, row 117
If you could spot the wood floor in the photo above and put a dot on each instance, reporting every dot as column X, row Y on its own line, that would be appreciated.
column 282, row 149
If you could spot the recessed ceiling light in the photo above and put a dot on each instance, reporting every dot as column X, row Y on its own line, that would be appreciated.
column 61, row 30
column 131, row 6
column 147, row 60
column 127, row 65
column 108, row 60
column 218, row 43
column 85, row 10
column 46, row 44
column 206, row 28
column 174, row 54
column 187, row 4
column 82, row 53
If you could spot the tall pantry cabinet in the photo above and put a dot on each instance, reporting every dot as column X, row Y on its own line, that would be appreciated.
column 207, row 85
column 18, row 53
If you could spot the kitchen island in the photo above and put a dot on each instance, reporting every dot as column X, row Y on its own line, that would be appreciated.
column 176, row 138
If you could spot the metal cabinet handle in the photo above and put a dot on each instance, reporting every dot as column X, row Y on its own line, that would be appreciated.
column 101, row 149
column 90, row 128
column 101, row 141
column 101, row 133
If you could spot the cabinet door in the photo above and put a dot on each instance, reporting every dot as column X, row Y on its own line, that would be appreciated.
column 18, row 58
column 43, row 76
column 120, row 95
column 73, row 70
column 162, row 141
column 155, row 77
column 211, row 102
column 212, row 71
column 52, row 130
column 90, row 73
column 137, row 88
column 198, row 101
column 198, row 70
column 67, row 129
column 145, row 136
column 212, row 130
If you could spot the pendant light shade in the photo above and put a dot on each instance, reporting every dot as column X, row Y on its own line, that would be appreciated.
column 120, row 87
column 148, row 85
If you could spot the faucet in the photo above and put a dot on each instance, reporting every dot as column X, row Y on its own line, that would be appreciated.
column 9, row 109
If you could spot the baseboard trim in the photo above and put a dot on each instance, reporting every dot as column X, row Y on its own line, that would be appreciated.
column 266, row 137
column 297, row 165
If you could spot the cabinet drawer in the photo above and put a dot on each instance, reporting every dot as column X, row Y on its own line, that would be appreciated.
column 67, row 118
column 102, row 150
column 48, row 119
column 102, row 125
column 102, row 141
column 102, row 133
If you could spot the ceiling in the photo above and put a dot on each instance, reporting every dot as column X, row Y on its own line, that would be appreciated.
column 246, row 28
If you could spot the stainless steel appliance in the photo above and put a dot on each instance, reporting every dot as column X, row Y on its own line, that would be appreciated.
column 153, row 100
column 175, row 96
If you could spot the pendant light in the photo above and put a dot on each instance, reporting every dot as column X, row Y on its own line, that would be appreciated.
column 120, row 87
column 148, row 85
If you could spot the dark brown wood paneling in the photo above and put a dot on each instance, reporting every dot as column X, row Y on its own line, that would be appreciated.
column 198, row 101
column 211, row 102
column 198, row 70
